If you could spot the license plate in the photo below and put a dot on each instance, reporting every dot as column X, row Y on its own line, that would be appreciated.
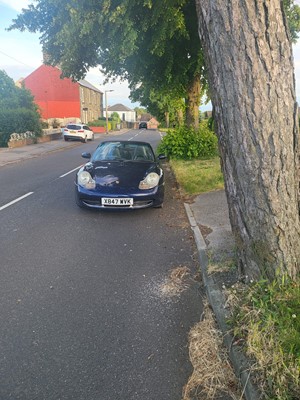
column 73, row 131
column 107, row 201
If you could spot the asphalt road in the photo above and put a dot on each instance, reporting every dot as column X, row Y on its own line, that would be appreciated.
column 86, row 312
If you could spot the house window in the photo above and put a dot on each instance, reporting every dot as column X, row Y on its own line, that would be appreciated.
column 123, row 116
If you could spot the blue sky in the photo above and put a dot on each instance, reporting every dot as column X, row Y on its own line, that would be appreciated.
column 20, row 54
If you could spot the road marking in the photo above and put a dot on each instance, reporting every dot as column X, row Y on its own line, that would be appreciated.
column 70, row 172
column 16, row 200
column 133, row 137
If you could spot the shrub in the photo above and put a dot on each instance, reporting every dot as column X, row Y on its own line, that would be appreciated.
column 99, row 122
column 19, row 120
column 115, row 117
column 188, row 143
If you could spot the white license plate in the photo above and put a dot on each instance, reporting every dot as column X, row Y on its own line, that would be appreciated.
column 108, row 201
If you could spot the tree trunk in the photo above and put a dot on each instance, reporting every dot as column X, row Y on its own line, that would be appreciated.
column 180, row 117
column 167, row 118
column 251, row 77
column 193, row 103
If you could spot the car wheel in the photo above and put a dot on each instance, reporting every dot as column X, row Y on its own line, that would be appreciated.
column 66, row 139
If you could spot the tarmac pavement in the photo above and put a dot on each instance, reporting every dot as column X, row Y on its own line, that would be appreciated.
column 209, row 220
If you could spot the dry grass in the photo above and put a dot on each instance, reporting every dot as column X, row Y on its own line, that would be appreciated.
column 224, row 266
column 176, row 282
column 213, row 376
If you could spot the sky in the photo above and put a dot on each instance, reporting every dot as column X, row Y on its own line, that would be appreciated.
column 21, row 54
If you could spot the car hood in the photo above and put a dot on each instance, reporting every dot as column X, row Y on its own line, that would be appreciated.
column 123, row 174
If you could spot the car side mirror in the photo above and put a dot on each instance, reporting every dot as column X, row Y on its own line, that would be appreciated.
column 86, row 155
column 162, row 157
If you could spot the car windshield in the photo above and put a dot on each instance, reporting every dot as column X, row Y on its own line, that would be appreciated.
column 115, row 151
column 76, row 127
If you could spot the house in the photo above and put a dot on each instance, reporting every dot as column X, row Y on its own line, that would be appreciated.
column 125, row 113
column 152, row 122
column 63, row 99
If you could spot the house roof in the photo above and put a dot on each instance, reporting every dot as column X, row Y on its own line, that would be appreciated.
column 119, row 107
column 87, row 84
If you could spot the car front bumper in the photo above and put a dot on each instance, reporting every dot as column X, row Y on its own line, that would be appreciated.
column 142, row 199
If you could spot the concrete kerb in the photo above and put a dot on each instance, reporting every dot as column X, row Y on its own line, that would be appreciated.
column 217, row 301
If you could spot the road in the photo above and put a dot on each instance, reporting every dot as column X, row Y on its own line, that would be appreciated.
column 87, row 311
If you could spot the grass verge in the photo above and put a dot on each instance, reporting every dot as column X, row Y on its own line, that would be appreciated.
column 198, row 176
column 266, row 317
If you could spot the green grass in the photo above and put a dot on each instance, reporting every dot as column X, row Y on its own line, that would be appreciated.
column 267, row 317
column 198, row 176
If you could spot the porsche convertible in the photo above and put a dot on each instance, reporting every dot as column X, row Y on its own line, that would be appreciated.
column 120, row 175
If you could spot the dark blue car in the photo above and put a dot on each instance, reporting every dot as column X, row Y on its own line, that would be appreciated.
column 120, row 175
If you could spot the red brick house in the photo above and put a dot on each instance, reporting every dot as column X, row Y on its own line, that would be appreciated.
column 63, row 99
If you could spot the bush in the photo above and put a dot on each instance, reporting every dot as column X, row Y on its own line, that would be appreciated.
column 188, row 143
column 99, row 122
column 102, row 122
column 19, row 120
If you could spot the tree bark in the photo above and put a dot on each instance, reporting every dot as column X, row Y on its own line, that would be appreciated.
column 180, row 118
column 251, row 76
column 193, row 103
column 167, row 118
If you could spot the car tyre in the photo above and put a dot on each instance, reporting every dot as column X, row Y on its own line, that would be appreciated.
column 66, row 139
column 78, row 201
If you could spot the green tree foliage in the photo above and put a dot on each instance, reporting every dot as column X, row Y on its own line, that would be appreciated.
column 166, row 107
column 142, row 41
column 293, row 16
column 18, row 112
column 115, row 117
column 140, row 111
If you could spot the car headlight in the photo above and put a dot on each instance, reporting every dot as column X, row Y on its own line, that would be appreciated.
column 150, row 181
column 84, row 179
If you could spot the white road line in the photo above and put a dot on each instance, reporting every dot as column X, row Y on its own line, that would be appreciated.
column 16, row 200
column 70, row 172
column 133, row 137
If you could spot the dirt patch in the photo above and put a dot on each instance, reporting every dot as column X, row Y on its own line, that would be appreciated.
column 178, row 281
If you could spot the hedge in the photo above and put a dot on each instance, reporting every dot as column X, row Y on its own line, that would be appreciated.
column 19, row 120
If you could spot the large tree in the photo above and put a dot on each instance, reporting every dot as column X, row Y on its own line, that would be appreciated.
column 250, row 63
